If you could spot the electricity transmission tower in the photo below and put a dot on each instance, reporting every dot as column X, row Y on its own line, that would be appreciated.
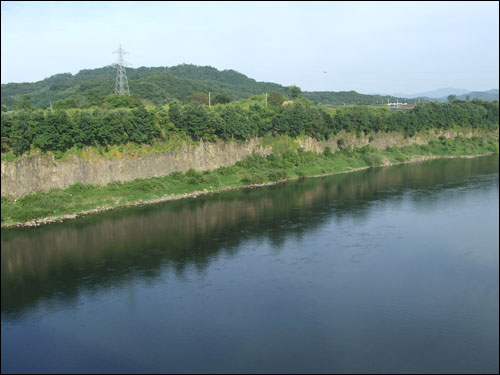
column 121, row 85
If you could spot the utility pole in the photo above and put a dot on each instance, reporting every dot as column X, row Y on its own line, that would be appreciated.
column 121, row 85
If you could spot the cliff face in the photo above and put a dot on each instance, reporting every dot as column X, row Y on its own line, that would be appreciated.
column 42, row 173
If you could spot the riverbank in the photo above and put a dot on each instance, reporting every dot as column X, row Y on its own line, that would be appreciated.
column 38, row 171
column 252, row 172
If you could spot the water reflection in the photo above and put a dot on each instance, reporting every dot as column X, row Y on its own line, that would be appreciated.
column 56, row 263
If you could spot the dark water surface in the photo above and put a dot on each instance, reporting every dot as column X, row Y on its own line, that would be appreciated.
column 386, row 270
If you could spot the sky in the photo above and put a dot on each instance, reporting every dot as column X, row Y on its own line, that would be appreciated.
column 369, row 47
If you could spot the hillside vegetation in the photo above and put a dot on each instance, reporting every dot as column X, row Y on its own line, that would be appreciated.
column 154, row 85
column 159, row 85
column 59, row 130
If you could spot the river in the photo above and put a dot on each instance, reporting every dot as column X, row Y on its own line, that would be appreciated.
column 386, row 270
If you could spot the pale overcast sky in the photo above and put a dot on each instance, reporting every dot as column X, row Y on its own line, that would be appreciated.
column 369, row 47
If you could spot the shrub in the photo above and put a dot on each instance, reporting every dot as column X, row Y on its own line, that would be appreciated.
column 340, row 143
column 177, row 176
column 222, row 99
column 373, row 159
column 211, row 179
column 277, row 175
column 193, row 177
column 253, row 179
column 227, row 171
column 275, row 98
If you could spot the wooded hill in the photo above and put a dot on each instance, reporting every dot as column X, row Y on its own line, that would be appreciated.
column 490, row 95
column 161, row 85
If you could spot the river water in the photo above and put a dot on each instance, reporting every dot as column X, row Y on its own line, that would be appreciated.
column 387, row 270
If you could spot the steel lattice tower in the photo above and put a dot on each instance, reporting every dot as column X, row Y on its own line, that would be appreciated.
column 121, row 85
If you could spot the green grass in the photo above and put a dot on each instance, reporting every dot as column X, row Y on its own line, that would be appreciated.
column 280, row 144
column 255, row 169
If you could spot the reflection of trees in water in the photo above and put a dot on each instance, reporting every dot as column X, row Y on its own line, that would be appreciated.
column 57, row 262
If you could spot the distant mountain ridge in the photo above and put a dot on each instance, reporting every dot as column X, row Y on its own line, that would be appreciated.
column 435, row 94
column 485, row 95
column 160, row 85
column 441, row 95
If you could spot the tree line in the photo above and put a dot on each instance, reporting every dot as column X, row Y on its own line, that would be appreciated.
column 59, row 129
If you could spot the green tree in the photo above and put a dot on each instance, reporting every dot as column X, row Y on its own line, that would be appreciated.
column 121, row 101
column 174, row 115
column 293, row 91
column 24, row 103
column 6, row 127
column 452, row 98
column 66, row 103
column 195, row 120
column 198, row 97
column 21, row 134
column 222, row 98
column 275, row 98
column 47, row 134
column 83, row 131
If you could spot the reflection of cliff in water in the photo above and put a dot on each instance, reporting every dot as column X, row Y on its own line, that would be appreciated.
column 57, row 262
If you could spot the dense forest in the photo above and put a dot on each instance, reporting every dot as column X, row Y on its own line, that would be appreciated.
column 61, row 129
column 159, row 85
column 152, row 85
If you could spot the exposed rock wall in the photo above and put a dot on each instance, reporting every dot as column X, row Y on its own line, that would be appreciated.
column 42, row 173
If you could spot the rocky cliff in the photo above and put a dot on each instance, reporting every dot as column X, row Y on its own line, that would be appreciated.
column 42, row 173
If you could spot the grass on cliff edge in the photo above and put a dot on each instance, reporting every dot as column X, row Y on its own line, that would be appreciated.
column 252, row 170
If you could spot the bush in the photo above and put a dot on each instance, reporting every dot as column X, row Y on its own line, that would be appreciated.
column 277, row 175
column 211, row 179
column 222, row 99
column 193, row 177
column 275, row 99
column 250, row 179
column 179, row 176
column 373, row 159
column 340, row 143
column 227, row 171
column 198, row 97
